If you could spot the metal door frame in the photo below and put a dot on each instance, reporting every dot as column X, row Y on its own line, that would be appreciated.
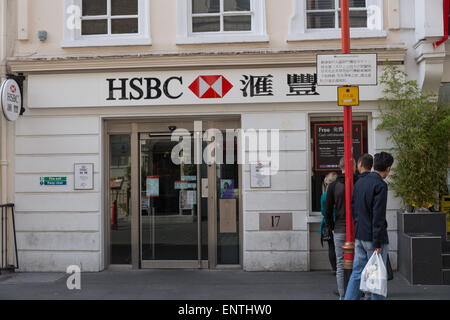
column 134, row 127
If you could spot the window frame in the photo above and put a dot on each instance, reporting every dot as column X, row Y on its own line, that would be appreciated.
column 258, row 32
column 298, row 24
column 74, row 38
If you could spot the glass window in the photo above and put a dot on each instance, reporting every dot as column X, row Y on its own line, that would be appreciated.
column 221, row 15
column 205, row 24
column 124, row 7
column 94, row 27
column 119, row 199
column 237, row 5
column 94, row 7
column 105, row 17
column 208, row 6
column 326, row 14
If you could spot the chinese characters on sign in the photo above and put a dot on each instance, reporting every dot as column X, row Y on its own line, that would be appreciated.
column 257, row 86
column 302, row 84
column 299, row 84
column 347, row 69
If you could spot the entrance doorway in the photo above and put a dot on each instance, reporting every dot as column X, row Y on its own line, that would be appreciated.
column 166, row 210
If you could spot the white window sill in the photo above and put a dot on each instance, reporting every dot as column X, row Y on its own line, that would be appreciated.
column 221, row 38
column 334, row 34
column 107, row 41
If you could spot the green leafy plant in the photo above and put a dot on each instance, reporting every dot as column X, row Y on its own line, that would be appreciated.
column 419, row 127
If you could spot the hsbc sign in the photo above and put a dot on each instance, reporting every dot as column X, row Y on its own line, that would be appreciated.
column 150, row 88
column 182, row 87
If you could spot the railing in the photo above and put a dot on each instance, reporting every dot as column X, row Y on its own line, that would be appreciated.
column 8, row 231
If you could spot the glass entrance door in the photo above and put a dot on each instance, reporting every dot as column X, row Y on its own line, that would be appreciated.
column 173, row 216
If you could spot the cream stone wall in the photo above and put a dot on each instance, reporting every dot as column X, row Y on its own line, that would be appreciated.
column 47, row 15
column 60, row 226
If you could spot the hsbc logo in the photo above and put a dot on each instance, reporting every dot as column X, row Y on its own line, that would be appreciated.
column 13, row 88
column 204, row 87
column 210, row 87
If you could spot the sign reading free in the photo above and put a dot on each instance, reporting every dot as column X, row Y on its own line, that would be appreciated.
column 53, row 181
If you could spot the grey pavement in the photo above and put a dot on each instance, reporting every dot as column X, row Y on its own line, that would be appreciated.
column 197, row 285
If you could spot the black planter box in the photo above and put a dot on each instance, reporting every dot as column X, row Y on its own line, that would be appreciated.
column 421, row 239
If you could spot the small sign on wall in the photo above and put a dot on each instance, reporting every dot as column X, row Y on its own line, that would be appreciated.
column 260, row 175
column 275, row 221
column 84, row 176
column 53, row 181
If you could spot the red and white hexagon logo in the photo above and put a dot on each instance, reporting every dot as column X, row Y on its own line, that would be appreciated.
column 13, row 88
column 207, row 87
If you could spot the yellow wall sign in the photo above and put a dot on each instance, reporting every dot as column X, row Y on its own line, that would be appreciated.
column 348, row 96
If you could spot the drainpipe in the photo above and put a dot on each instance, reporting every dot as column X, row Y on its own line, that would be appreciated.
column 3, row 135
column 446, row 18
column 3, row 162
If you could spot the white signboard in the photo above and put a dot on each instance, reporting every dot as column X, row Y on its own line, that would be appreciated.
column 84, row 176
column 182, row 87
column 260, row 175
column 347, row 69
column 11, row 99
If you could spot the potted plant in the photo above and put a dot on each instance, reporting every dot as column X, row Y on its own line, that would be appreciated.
column 419, row 127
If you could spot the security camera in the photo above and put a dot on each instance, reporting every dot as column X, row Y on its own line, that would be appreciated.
column 172, row 128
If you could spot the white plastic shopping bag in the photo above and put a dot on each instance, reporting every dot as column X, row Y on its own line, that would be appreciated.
column 374, row 276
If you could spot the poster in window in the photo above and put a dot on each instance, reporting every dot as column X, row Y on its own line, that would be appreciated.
column 329, row 144
column 152, row 186
column 226, row 189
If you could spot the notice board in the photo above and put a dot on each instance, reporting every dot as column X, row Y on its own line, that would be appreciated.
column 329, row 144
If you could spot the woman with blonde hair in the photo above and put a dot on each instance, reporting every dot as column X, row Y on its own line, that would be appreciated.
column 329, row 178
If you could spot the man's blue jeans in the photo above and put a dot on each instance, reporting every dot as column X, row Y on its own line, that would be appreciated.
column 363, row 252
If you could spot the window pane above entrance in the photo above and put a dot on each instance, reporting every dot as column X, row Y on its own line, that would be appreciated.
column 319, row 4
column 90, row 27
column 205, row 6
column 124, row 26
column 358, row 19
column 237, row 23
column 94, row 7
column 124, row 7
column 236, row 5
column 320, row 20
column 205, row 24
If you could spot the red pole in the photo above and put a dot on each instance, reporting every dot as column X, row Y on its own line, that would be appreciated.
column 349, row 245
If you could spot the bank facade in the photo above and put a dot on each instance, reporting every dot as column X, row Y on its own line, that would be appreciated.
column 91, row 166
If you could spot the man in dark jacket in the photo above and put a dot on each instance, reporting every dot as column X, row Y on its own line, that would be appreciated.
column 336, row 200
column 369, row 202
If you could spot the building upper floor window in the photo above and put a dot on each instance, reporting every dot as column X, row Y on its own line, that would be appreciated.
column 324, row 14
column 321, row 19
column 106, row 23
column 221, row 15
column 109, row 17
column 216, row 21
